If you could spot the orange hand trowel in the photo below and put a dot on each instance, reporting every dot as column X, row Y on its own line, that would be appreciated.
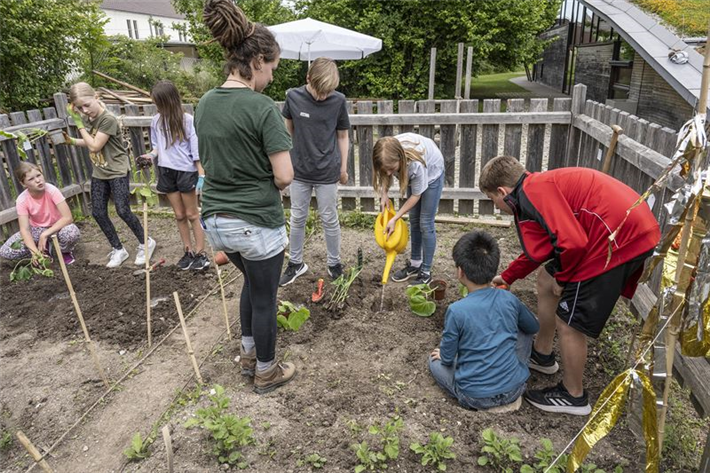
column 397, row 241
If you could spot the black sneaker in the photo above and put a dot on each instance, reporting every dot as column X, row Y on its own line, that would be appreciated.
column 422, row 278
column 408, row 272
column 200, row 262
column 186, row 260
column 293, row 270
column 335, row 271
column 558, row 399
column 543, row 363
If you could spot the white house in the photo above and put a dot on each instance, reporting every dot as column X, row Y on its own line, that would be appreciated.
column 147, row 19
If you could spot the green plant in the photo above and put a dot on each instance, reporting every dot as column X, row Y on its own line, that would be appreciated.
column 229, row 432
column 389, row 435
column 463, row 290
column 315, row 460
column 24, row 138
column 138, row 449
column 291, row 318
column 545, row 458
column 436, row 451
column 144, row 189
column 342, row 286
column 28, row 267
column 419, row 301
column 5, row 440
column 370, row 460
column 499, row 453
column 357, row 220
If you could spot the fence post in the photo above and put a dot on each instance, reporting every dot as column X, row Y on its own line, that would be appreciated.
column 432, row 73
column 469, row 60
column 365, row 143
column 579, row 97
column 459, row 72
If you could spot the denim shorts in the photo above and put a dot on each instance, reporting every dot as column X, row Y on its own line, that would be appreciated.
column 252, row 242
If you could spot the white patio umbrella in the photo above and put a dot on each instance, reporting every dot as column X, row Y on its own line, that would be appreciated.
column 310, row 39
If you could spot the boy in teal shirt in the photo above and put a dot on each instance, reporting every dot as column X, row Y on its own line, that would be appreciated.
column 483, row 357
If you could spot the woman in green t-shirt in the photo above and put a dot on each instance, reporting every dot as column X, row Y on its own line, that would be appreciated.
column 111, row 167
column 244, row 148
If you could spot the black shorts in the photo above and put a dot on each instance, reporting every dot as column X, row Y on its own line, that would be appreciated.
column 587, row 305
column 170, row 180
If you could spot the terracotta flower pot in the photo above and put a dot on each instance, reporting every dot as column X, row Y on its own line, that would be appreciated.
column 439, row 286
column 220, row 258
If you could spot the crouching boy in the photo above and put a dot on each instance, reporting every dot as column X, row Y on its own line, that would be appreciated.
column 483, row 356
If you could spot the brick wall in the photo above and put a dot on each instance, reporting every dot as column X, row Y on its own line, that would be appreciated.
column 551, row 69
column 592, row 69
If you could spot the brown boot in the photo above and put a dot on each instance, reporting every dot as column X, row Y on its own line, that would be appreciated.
column 277, row 375
column 247, row 361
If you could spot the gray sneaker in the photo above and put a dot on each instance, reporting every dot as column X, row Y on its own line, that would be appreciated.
column 406, row 273
column 293, row 270
column 200, row 262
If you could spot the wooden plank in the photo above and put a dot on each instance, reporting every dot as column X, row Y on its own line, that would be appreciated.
column 136, row 136
column 559, row 134
column 124, row 84
column 10, row 214
column 467, row 156
column 50, row 124
column 536, row 138
column 513, row 133
column 405, row 107
column 585, row 145
column 447, row 144
column 447, row 193
column 386, row 107
column 365, row 143
column 579, row 95
column 489, row 146
column 348, row 203
column 428, row 107
column 44, row 153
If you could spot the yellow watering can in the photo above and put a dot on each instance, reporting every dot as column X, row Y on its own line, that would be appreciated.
column 397, row 241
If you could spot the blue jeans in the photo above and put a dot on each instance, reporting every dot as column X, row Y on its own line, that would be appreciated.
column 445, row 378
column 421, row 224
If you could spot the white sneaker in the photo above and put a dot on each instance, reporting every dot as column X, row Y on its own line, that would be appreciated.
column 116, row 257
column 140, row 255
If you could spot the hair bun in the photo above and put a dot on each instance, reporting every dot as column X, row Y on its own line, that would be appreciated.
column 227, row 23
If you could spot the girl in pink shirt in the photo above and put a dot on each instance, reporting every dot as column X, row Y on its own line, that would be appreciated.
column 41, row 212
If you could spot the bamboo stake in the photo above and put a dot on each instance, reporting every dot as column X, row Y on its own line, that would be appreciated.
column 168, row 447
column 616, row 129
column 147, row 272
column 190, row 351
column 224, row 302
column 89, row 342
column 34, row 453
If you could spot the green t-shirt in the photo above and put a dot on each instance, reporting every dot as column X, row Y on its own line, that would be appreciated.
column 112, row 161
column 237, row 130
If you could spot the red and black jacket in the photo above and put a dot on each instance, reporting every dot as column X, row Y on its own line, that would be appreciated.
column 566, row 215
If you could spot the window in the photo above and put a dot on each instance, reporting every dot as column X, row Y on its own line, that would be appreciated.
column 135, row 28
column 621, row 68
column 130, row 28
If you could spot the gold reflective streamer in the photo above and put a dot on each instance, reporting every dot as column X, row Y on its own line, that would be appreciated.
column 690, row 343
column 606, row 413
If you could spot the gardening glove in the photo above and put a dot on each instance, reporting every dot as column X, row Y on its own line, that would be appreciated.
column 74, row 115
column 68, row 139
column 200, row 183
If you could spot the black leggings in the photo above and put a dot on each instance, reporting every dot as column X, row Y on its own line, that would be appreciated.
column 101, row 190
column 257, row 305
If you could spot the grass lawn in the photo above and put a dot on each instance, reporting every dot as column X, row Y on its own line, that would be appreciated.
column 489, row 86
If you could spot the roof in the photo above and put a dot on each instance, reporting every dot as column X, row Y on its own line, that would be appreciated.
column 146, row 7
column 653, row 41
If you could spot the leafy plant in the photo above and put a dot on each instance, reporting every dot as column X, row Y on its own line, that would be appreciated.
column 546, row 456
column 419, row 301
column 463, row 290
column 144, row 189
column 315, row 460
column 370, row 460
column 28, row 267
column 357, row 220
column 389, row 434
column 229, row 432
column 138, row 449
column 24, row 138
column 436, row 451
column 5, row 440
column 342, row 285
column 499, row 453
column 291, row 318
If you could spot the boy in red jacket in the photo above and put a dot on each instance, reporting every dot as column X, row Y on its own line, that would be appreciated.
column 564, row 217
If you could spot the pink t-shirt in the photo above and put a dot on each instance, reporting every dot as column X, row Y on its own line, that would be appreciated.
column 43, row 212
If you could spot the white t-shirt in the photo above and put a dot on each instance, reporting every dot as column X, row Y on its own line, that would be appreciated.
column 421, row 176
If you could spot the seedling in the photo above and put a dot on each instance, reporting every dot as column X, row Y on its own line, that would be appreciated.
column 5, row 440
column 138, row 449
column 315, row 460
column 229, row 432
column 419, row 301
column 546, row 456
column 291, row 318
column 145, row 190
column 24, row 138
column 389, row 433
column 342, row 286
column 369, row 460
column 499, row 453
column 28, row 267
column 436, row 451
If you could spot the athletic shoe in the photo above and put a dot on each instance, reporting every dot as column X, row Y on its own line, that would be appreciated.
column 408, row 272
column 186, row 260
column 558, row 399
column 422, row 278
column 140, row 255
column 543, row 363
column 68, row 257
column 116, row 257
column 276, row 375
column 335, row 271
column 200, row 263
column 293, row 270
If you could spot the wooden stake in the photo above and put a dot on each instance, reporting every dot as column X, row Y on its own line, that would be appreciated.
column 89, row 342
column 32, row 450
column 459, row 71
column 190, row 351
column 120, row 82
column 224, row 301
column 147, row 273
column 616, row 129
column 469, row 61
column 168, row 447
column 432, row 73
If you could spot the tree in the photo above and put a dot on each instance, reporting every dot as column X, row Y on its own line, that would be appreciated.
column 41, row 42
